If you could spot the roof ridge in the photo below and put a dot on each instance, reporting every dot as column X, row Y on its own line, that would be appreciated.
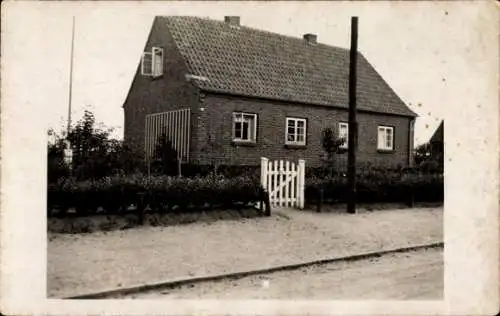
column 209, row 19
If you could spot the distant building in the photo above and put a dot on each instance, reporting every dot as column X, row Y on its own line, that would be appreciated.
column 437, row 142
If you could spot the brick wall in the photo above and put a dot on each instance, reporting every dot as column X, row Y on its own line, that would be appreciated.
column 216, row 122
column 170, row 92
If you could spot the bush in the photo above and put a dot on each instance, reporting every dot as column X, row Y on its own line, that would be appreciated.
column 430, row 166
column 161, row 193
column 95, row 153
column 378, row 185
column 226, row 171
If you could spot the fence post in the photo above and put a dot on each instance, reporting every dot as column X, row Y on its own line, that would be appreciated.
column 263, row 176
column 411, row 197
column 301, row 181
column 320, row 199
column 268, row 203
column 141, row 208
column 263, row 172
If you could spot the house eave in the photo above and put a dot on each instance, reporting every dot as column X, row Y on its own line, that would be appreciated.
column 264, row 98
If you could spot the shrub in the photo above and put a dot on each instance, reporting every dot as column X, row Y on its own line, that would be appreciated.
column 226, row 171
column 379, row 185
column 161, row 193
column 95, row 153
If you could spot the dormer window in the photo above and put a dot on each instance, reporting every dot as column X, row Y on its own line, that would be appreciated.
column 152, row 62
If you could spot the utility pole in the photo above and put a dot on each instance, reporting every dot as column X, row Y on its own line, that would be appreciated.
column 353, row 124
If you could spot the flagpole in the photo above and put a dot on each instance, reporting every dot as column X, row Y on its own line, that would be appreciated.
column 71, row 77
column 68, row 152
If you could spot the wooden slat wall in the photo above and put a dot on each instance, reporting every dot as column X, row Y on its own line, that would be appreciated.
column 176, row 126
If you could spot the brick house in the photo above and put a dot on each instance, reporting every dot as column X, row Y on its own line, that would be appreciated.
column 220, row 90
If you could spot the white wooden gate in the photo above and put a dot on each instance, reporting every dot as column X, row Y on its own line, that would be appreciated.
column 284, row 181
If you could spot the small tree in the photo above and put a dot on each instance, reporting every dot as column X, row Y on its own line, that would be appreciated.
column 422, row 153
column 91, row 146
column 165, row 158
column 95, row 154
column 213, row 146
column 427, row 160
column 332, row 146
column 56, row 167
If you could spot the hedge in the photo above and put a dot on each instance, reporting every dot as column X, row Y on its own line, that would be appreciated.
column 183, row 194
column 161, row 193
column 378, row 187
column 226, row 171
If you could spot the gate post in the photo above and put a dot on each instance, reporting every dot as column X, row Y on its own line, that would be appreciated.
column 263, row 172
column 301, row 182
column 263, row 178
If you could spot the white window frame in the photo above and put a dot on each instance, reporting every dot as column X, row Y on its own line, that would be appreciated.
column 145, row 63
column 382, row 138
column 152, row 62
column 157, row 61
column 345, row 145
column 295, row 126
column 241, row 117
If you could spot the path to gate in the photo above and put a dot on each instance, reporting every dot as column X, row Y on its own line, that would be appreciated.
column 284, row 181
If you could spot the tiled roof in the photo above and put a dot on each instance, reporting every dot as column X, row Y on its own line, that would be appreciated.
column 438, row 135
column 255, row 63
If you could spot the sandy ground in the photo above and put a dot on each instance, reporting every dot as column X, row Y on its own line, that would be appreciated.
column 415, row 275
column 85, row 263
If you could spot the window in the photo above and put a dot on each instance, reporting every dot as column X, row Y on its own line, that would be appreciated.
column 244, row 127
column 147, row 64
column 344, row 134
column 152, row 62
column 295, row 131
column 385, row 138
column 157, row 61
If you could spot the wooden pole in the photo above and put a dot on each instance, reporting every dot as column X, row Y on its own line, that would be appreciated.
column 353, row 128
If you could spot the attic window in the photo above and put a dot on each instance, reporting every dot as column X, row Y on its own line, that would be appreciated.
column 152, row 62
column 147, row 64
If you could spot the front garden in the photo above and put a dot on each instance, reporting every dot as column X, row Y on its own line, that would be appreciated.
column 107, row 180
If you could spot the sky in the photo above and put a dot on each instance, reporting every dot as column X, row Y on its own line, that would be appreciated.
column 420, row 48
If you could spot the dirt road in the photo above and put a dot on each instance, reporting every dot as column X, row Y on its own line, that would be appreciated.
column 86, row 263
column 414, row 275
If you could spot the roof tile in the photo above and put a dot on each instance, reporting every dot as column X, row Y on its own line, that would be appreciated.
column 257, row 63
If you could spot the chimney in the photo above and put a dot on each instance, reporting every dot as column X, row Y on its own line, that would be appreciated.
column 232, row 20
column 311, row 38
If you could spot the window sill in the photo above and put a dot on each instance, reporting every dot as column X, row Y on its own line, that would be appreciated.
column 238, row 143
column 385, row 151
column 152, row 77
column 295, row 146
